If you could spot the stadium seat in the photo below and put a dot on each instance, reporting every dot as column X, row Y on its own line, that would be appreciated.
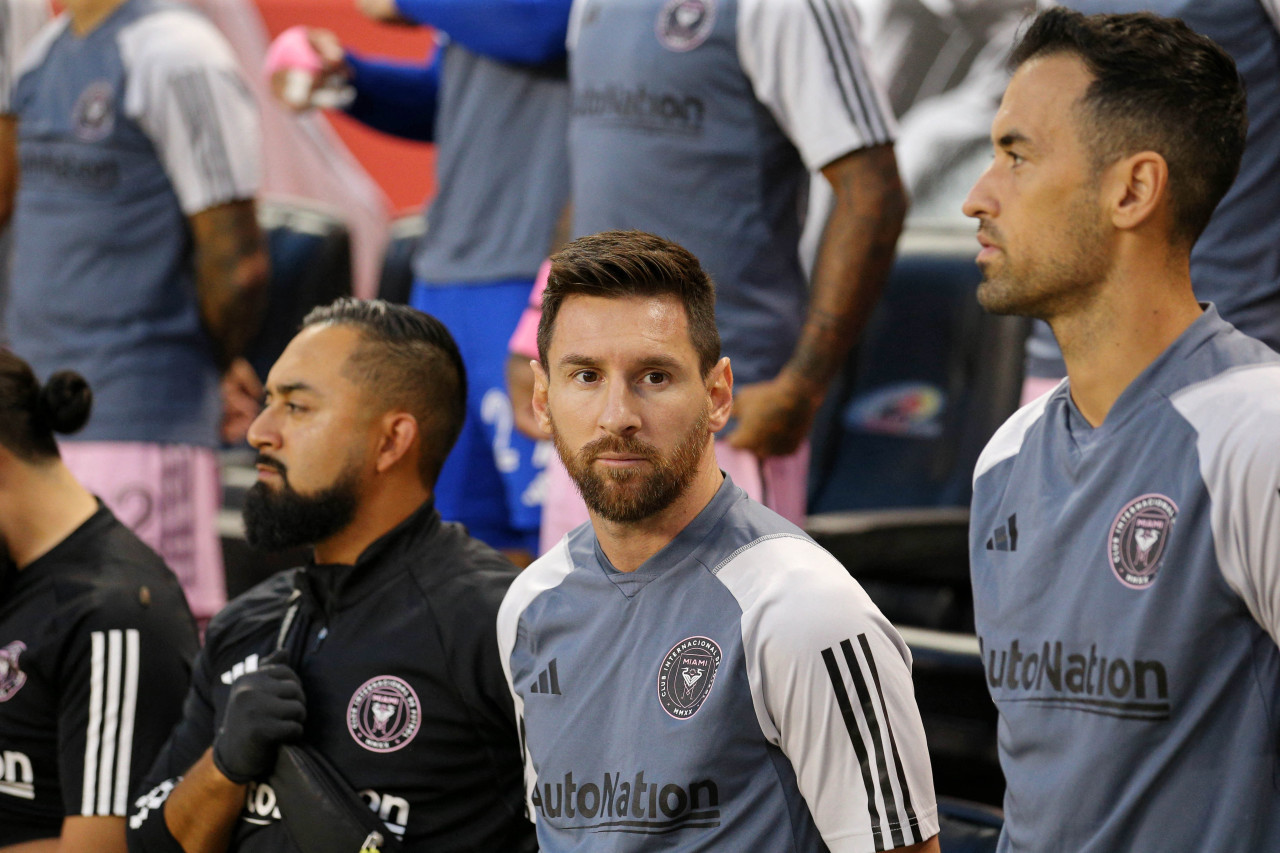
column 310, row 251
column 396, row 279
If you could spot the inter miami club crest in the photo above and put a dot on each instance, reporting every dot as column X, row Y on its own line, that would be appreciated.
column 384, row 714
column 687, row 673
column 94, row 114
column 1139, row 536
column 684, row 24
column 11, row 677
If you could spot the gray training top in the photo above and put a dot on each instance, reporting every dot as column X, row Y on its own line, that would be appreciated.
column 1126, row 587
column 698, row 120
column 738, row 691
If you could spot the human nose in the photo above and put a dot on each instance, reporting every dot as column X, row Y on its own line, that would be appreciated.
column 620, row 415
column 979, row 202
column 263, row 432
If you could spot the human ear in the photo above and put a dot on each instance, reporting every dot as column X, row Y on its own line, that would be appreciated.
column 720, row 390
column 398, row 431
column 539, row 401
column 1140, row 188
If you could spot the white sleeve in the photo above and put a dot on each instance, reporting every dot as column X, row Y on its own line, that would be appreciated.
column 20, row 20
column 1237, row 420
column 806, row 64
column 831, row 684
column 186, row 92
column 1272, row 8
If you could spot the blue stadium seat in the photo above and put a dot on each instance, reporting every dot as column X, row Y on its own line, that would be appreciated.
column 396, row 279
column 310, row 251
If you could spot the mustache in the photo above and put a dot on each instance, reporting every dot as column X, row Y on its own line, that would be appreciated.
column 268, row 462
column 986, row 229
column 617, row 444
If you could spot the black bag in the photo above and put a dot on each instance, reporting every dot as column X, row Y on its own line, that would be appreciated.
column 320, row 809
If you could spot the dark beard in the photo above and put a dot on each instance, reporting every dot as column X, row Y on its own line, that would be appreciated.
column 629, row 496
column 276, row 520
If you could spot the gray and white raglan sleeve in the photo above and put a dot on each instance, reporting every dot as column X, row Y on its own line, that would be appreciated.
column 186, row 92
column 831, row 684
column 805, row 60
column 20, row 20
column 1237, row 420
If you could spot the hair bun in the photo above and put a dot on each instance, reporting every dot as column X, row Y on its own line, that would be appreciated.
column 65, row 401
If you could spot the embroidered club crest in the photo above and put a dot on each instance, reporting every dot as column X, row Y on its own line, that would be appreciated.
column 94, row 115
column 11, row 677
column 686, row 676
column 384, row 714
column 682, row 25
column 1138, row 539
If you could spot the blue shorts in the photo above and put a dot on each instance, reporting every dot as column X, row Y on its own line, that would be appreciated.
column 492, row 481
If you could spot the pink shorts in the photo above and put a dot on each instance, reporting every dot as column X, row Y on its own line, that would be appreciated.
column 169, row 495
column 779, row 483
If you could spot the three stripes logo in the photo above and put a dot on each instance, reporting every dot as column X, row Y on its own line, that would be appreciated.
column 548, row 681
column 867, row 722
column 113, row 701
column 244, row 667
column 1005, row 537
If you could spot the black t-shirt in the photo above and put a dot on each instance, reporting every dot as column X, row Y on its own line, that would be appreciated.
column 405, row 693
column 96, row 644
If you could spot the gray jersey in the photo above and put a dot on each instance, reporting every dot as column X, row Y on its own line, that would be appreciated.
column 503, row 167
column 1127, row 598
column 738, row 691
column 1236, row 262
column 698, row 120
column 122, row 135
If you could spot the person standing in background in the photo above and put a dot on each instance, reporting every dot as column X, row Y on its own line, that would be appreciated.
column 494, row 98
column 138, row 260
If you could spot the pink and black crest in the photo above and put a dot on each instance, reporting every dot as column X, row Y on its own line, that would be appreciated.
column 1138, row 539
column 384, row 714
column 682, row 25
column 11, row 677
column 94, row 115
column 687, row 674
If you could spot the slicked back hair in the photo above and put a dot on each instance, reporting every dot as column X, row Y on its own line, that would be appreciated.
column 618, row 264
column 1158, row 86
column 405, row 360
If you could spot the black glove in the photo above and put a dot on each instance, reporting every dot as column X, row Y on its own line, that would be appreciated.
column 265, row 709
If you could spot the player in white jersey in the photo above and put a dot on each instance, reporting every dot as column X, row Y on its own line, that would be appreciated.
column 1124, row 549
column 690, row 665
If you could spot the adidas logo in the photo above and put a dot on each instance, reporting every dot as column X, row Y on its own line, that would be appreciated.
column 246, row 666
column 548, row 681
column 1005, row 537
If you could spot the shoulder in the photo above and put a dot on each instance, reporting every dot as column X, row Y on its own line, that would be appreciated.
column 254, row 612
column 1008, row 439
column 33, row 54
column 1235, row 413
column 174, row 37
column 461, row 576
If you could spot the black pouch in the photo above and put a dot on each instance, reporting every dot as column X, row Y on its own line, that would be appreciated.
column 320, row 809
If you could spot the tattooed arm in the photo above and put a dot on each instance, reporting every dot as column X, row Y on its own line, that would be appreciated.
column 231, row 276
column 853, row 262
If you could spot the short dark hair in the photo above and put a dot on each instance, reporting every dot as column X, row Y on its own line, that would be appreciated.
column 1158, row 86
column 407, row 359
column 616, row 264
column 30, row 413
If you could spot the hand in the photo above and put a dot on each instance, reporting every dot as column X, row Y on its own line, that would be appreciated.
column 265, row 709
column 774, row 417
column 382, row 11
column 292, row 69
column 241, row 400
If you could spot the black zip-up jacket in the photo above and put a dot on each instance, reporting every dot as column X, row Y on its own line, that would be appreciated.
column 404, row 689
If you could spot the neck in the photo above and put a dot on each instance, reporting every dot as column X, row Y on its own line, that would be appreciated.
column 629, row 544
column 1136, row 315
column 378, row 513
column 87, row 14
column 40, row 505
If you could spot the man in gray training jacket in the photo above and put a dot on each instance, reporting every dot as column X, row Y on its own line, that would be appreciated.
column 1124, row 546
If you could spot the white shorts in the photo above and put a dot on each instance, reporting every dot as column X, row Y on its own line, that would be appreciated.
column 168, row 494
column 779, row 483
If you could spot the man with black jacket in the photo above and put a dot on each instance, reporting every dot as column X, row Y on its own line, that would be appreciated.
column 380, row 655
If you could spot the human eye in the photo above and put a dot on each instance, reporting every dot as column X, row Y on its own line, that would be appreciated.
column 587, row 376
column 1015, row 158
column 294, row 408
column 654, row 377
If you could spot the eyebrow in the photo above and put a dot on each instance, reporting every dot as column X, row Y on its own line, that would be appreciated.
column 664, row 362
column 290, row 388
column 1013, row 137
